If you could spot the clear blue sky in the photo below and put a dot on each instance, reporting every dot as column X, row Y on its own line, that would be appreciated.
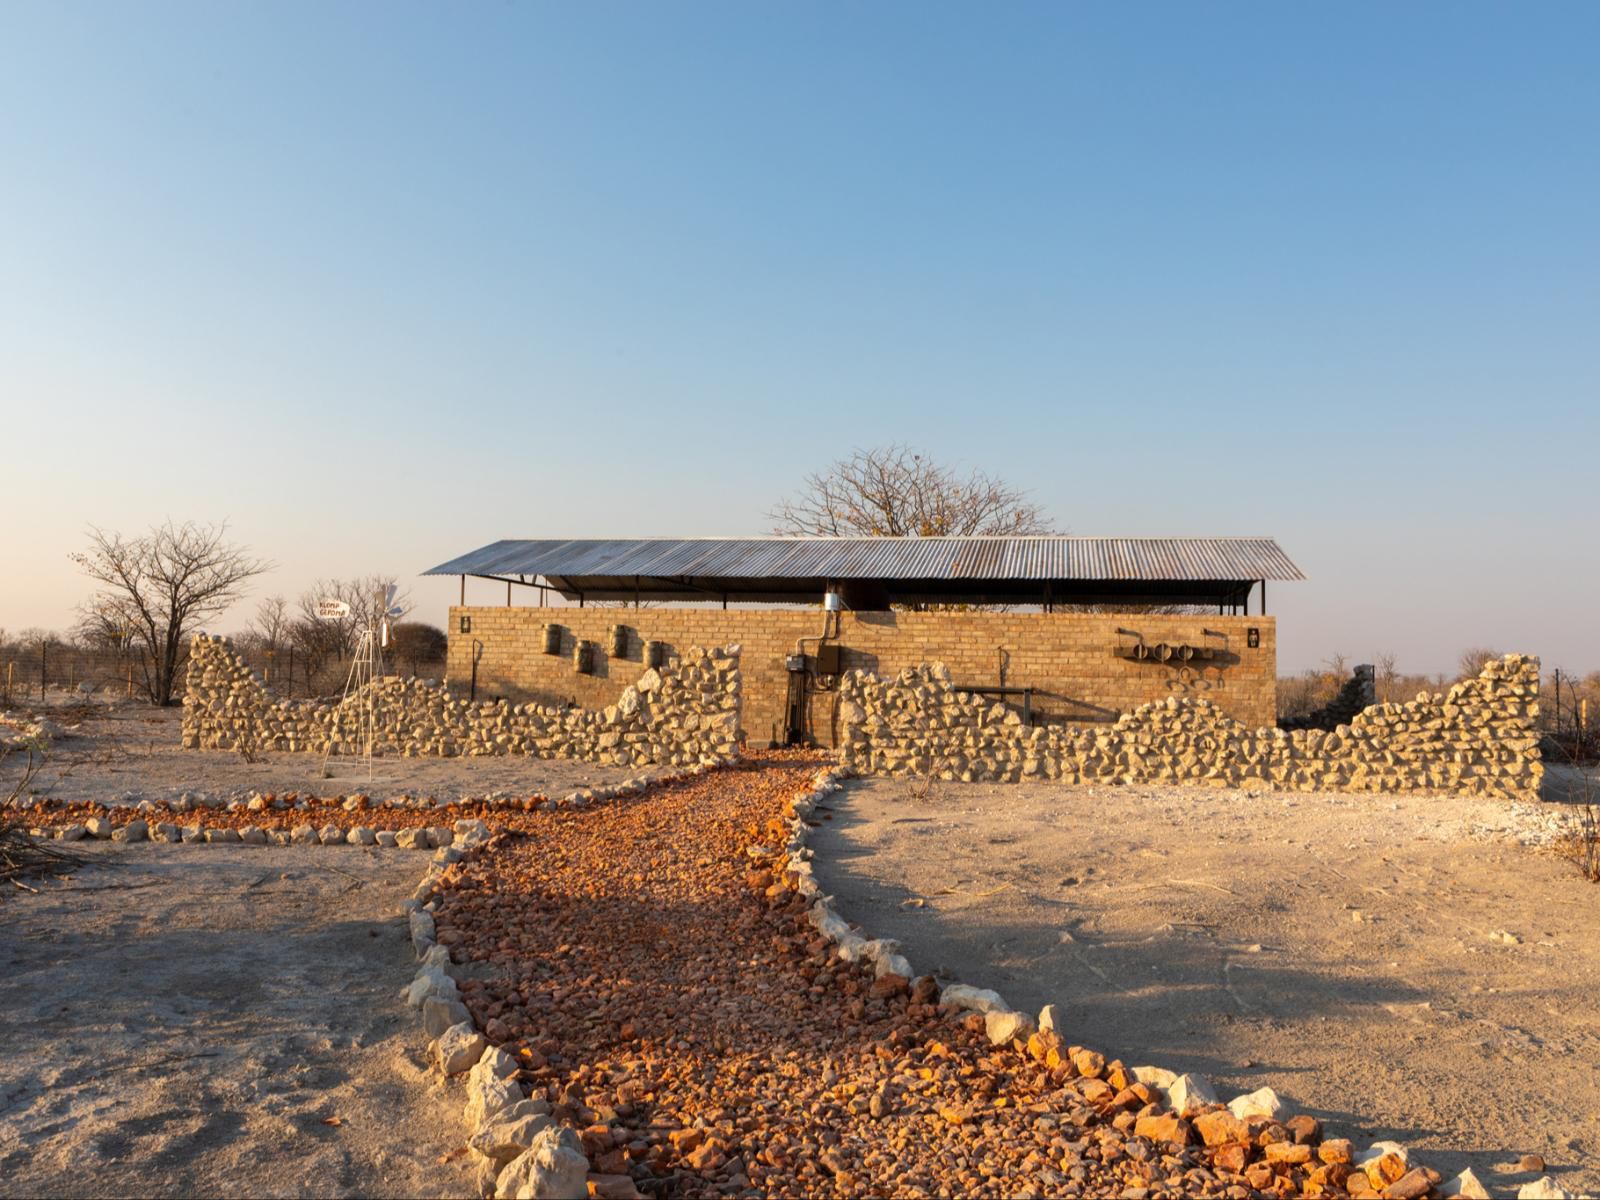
column 379, row 283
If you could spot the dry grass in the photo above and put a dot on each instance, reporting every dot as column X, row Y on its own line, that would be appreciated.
column 1588, row 855
column 22, row 854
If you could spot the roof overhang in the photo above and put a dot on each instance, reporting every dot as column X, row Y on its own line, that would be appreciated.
column 885, row 571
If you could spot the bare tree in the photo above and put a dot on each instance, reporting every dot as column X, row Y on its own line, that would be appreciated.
column 1473, row 660
column 365, row 598
column 416, row 642
column 271, row 623
column 895, row 491
column 1387, row 677
column 316, row 642
column 162, row 585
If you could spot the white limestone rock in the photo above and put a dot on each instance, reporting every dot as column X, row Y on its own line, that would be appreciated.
column 964, row 996
column 422, row 931
column 553, row 1168
column 1157, row 1077
column 459, row 1048
column 430, row 981
column 1465, row 1185
column 1189, row 1092
column 1004, row 1027
column 511, row 1132
column 1543, row 1188
column 488, row 1093
column 1263, row 1102
column 440, row 1012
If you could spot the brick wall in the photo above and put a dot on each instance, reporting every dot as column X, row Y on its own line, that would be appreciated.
column 1067, row 657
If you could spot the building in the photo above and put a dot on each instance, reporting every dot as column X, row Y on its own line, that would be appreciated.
column 1060, row 629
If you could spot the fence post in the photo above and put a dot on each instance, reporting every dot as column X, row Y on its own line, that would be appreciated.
column 44, row 651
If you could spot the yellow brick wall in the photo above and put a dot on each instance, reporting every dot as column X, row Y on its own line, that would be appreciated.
column 1066, row 657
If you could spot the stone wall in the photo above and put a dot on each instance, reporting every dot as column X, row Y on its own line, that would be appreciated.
column 1476, row 738
column 1069, row 659
column 683, row 714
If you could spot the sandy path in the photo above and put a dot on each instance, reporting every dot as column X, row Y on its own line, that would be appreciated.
column 1342, row 949
column 185, row 1022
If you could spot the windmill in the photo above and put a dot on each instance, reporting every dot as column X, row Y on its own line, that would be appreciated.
column 366, row 667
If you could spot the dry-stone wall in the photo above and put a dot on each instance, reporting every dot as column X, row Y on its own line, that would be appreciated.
column 684, row 714
column 1359, row 691
column 1476, row 738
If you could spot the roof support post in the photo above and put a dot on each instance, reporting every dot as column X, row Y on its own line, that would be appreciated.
column 463, row 591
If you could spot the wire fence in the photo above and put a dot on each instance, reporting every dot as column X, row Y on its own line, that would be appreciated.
column 1569, row 704
column 49, row 672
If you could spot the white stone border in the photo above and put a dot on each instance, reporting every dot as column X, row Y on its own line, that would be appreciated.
column 419, row 837
column 1002, row 1024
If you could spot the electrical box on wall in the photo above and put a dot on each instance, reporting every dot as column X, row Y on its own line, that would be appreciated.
column 829, row 657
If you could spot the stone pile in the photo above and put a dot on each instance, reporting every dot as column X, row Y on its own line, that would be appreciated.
column 683, row 714
column 1478, row 739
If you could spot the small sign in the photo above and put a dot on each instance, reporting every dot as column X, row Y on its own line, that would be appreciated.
column 1252, row 638
column 332, row 610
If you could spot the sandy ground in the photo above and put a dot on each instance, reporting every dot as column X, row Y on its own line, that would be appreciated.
column 1399, row 966
column 222, row 1022
column 180, row 1022
column 131, row 752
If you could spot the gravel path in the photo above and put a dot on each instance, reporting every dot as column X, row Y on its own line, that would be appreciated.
column 666, row 993
column 220, row 1021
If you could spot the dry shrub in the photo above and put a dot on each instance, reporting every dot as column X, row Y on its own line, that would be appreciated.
column 22, row 854
column 1586, row 853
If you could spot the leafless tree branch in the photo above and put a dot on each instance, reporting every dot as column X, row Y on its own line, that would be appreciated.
column 161, row 586
column 896, row 491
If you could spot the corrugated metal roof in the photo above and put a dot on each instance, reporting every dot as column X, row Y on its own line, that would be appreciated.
column 966, row 558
